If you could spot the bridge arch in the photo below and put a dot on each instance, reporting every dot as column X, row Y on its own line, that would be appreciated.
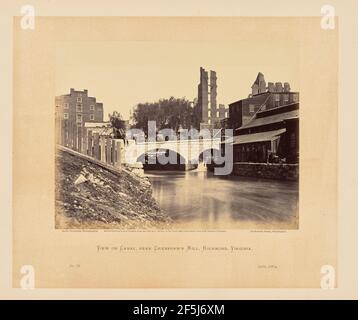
column 207, row 155
column 162, row 158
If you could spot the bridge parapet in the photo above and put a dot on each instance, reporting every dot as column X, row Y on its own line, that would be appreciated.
column 189, row 149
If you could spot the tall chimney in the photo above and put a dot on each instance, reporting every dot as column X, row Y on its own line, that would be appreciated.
column 271, row 87
column 279, row 87
column 286, row 87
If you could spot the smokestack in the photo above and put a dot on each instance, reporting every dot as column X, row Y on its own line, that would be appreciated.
column 286, row 87
column 279, row 87
column 271, row 87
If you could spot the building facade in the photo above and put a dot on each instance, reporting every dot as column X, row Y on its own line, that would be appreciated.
column 73, row 111
column 78, row 107
column 209, row 112
column 266, row 124
column 261, row 98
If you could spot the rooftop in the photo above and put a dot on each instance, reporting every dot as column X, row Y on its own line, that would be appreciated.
column 256, row 137
column 255, row 122
column 97, row 124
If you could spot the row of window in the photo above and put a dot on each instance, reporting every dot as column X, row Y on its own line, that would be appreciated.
column 79, row 117
column 252, row 107
column 256, row 152
column 78, row 106
column 286, row 97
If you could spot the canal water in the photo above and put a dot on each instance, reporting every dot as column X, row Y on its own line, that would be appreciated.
column 204, row 200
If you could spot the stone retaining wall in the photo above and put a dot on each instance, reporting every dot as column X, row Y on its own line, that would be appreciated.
column 266, row 170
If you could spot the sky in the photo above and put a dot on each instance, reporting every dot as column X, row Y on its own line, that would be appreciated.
column 122, row 74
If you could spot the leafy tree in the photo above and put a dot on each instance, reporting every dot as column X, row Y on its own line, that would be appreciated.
column 172, row 113
column 118, row 125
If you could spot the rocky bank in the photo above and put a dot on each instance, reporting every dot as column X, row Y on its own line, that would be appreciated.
column 90, row 196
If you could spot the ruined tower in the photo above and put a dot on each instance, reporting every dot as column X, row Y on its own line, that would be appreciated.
column 207, row 92
column 259, row 86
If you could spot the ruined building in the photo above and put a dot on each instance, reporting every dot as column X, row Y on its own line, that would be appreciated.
column 208, row 111
column 266, row 124
column 262, row 98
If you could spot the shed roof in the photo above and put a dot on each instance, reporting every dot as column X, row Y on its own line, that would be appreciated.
column 255, row 122
column 256, row 137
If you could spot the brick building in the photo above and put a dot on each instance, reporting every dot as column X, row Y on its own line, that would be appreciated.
column 262, row 98
column 266, row 124
column 73, row 110
column 78, row 107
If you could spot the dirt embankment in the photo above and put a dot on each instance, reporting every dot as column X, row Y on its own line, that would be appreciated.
column 90, row 196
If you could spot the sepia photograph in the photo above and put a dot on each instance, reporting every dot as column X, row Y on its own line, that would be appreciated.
column 184, row 134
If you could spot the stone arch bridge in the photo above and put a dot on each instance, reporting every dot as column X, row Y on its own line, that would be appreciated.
column 189, row 151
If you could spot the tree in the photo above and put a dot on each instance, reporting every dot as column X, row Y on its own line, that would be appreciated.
column 118, row 125
column 171, row 113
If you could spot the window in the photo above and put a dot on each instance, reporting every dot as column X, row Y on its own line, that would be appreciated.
column 91, row 116
column 79, row 118
column 295, row 97
column 277, row 100
column 217, row 114
column 293, row 140
column 209, row 121
column 285, row 97
column 209, row 111
column 65, row 105
column 79, row 99
column 79, row 107
column 65, row 115
column 91, row 107
column 252, row 108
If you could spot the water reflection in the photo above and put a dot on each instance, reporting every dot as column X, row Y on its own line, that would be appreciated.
column 202, row 197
